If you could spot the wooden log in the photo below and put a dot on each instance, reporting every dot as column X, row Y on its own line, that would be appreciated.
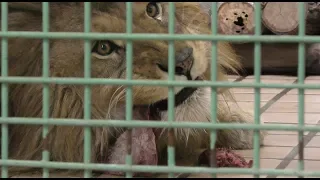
column 277, row 17
column 313, row 18
column 282, row 18
column 236, row 18
column 279, row 58
column 272, row 54
column 313, row 59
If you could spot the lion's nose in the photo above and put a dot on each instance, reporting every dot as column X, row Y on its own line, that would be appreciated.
column 183, row 61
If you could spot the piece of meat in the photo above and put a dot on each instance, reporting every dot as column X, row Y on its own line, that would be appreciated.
column 144, row 151
column 228, row 158
column 225, row 158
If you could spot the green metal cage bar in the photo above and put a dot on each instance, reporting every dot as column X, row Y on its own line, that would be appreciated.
column 87, row 90
column 301, row 76
column 101, row 81
column 213, row 134
column 257, row 67
column 171, row 95
column 152, row 36
column 4, row 88
column 87, row 122
column 129, row 88
column 45, row 74
column 139, row 123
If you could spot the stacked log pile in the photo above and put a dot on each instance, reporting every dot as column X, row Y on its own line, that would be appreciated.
column 278, row 18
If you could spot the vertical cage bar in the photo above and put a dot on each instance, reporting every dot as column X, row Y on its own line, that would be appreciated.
column 257, row 72
column 214, row 100
column 171, row 97
column 129, row 105
column 45, row 90
column 87, row 89
column 301, row 76
column 4, row 88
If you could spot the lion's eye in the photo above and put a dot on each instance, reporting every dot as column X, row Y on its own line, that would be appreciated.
column 104, row 48
column 153, row 10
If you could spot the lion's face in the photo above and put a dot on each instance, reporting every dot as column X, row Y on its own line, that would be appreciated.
column 150, row 57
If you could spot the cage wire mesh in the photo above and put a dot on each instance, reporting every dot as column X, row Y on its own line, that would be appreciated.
column 89, row 123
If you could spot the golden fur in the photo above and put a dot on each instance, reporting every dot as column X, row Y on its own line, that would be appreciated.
column 65, row 143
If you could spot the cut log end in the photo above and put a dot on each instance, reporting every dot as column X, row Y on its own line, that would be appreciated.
column 281, row 17
column 236, row 18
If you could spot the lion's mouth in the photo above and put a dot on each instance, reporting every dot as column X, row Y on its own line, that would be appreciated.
column 153, row 110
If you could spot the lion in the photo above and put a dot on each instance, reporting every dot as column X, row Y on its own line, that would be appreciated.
column 108, row 60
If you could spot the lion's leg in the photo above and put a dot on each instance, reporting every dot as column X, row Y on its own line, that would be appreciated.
column 236, row 138
column 186, row 148
column 233, row 138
